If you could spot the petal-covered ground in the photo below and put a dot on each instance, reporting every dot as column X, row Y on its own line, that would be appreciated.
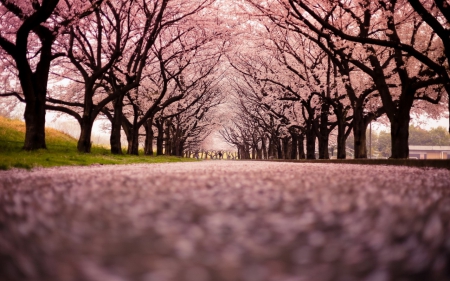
column 225, row 220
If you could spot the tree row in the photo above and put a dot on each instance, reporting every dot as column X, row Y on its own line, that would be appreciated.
column 329, row 68
column 150, row 67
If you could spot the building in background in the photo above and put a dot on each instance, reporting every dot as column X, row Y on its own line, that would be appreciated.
column 429, row 152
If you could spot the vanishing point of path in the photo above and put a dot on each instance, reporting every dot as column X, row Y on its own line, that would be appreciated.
column 225, row 220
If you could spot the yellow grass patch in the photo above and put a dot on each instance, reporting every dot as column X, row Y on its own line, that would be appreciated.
column 7, row 126
column 16, row 125
column 53, row 134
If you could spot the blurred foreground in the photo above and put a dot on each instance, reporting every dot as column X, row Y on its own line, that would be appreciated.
column 225, row 220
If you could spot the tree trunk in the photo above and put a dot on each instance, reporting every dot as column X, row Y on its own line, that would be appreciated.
column 400, row 124
column 310, row 145
column 259, row 153
column 168, row 139
column 84, row 142
column 160, row 139
column 294, row 146
column 279, row 148
column 116, row 125
column 133, row 143
column 87, row 122
column 35, row 124
column 399, row 136
column 301, row 146
column 359, row 133
column 178, row 147
column 285, row 142
column 323, row 135
column 264, row 148
column 181, row 144
column 323, row 147
column 271, row 152
column 149, row 136
column 341, row 146
column 34, row 84
column 341, row 138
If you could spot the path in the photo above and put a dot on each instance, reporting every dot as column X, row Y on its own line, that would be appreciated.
column 225, row 220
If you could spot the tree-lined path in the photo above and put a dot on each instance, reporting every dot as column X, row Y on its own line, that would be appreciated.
column 225, row 220
column 276, row 79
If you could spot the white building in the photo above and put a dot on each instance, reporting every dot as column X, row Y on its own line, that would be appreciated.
column 429, row 152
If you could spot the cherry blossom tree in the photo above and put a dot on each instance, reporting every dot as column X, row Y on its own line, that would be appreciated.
column 110, row 51
column 181, row 70
column 291, row 79
column 188, row 125
column 413, row 66
column 436, row 14
column 29, row 31
column 167, row 36
column 260, row 127
column 10, row 90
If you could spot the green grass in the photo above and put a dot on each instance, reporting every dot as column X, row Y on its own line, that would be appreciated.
column 433, row 163
column 61, row 151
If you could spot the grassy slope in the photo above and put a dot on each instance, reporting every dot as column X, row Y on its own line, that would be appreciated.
column 61, row 150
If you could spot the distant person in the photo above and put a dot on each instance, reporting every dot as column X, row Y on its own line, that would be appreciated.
column 196, row 155
column 220, row 155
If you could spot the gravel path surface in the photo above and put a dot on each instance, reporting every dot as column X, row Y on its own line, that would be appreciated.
column 225, row 220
